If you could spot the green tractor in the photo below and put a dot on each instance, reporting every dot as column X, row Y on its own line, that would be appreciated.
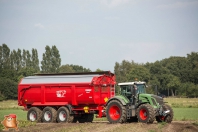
column 134, row 104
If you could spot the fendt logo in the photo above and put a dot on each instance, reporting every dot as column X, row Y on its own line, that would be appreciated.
column 60, row 93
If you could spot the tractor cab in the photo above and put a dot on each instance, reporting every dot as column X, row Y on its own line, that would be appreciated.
column 132, row 89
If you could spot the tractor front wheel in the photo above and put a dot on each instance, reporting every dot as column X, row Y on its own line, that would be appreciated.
column 168, row 118
column 146, row 113
column 116, row 112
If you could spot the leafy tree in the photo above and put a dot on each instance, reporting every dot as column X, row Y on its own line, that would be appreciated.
column 51, row 60
column 66, row 69
column 193, row 61
column 8, row 89
column 99, row 70
column 5, row 57
column 173, row 84
column 35, row 60
column 1, row 58
column 55, row 59
column 28, row 59
column 24, row 58
column 122, row 69
column 138, row 72
column 78, row 68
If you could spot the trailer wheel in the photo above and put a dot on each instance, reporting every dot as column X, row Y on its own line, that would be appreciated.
column 116, row 112
column 62, row 114
column 86, row 118
column 146, row 113
column 49, row 115
column 168, row 118
column 34, row 114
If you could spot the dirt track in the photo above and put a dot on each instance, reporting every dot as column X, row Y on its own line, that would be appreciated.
column 176, row 126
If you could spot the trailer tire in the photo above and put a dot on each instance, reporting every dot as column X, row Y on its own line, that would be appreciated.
column 49, row 115
column 146, row 113
column 116, row 112
column 63, row 114
column 34, row 114
column 168, row 118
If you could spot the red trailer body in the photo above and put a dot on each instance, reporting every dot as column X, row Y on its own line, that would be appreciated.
column 80, row 93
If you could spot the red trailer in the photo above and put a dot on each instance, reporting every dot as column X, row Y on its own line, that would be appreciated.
column 66, row 97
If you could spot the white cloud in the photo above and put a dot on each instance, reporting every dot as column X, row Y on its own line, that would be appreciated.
column 113, row 3
column 178, row 5
column 39, row 25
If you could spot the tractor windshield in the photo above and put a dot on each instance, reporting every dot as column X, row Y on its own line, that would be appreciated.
column 140, row 88
column 127, row 89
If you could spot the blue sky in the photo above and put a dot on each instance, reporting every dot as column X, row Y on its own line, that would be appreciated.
column 98, row 33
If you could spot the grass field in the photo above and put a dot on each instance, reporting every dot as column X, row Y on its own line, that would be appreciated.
column 182, row 102
column 184, row 114
column 9, row 104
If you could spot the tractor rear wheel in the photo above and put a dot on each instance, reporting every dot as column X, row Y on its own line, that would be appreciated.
column 49, row 115
column 146, row 113
column 34, row 114
column 62, row 114
column 116, row 112
column 169, row 117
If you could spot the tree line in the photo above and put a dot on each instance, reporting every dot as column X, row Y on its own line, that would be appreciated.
column 17, row 64
column 172, row 76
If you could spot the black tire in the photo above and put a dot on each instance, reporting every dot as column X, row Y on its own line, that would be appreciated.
column 146, row 113
column 34, row 114
column 86, row 118
column 63, row 114
column 49, row 115
column 116, row 112
column 168, row 118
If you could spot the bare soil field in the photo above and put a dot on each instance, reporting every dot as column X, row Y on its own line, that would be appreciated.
column 103, row 126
